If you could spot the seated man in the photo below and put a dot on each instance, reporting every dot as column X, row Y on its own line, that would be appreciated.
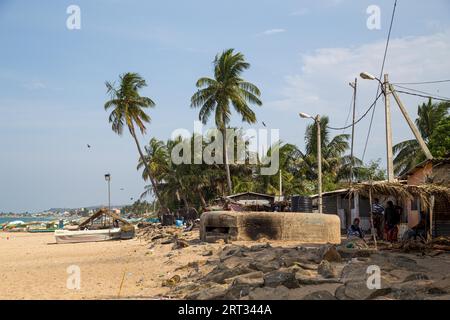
column 392, row 219
column 419, row 230
column 355, row 230
column 377, row 211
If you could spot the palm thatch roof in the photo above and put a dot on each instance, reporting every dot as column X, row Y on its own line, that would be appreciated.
column 423, row 192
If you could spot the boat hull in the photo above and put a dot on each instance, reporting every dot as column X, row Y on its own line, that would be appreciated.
column 66, row 236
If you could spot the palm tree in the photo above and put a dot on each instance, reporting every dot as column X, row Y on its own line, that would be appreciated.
column 332, row 150
column 227, row 88
column 408, row 153
column 128, row 110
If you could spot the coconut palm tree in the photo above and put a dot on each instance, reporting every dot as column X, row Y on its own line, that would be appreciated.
column 227, row 88
column 128, row 110
column 408, row 153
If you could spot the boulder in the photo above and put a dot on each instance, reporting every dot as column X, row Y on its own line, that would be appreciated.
column 221, row 273
column 320, row 295
column 326, row 270
column 265, row 267
column 215, row 292
column 329, row 253
column 276, row 278
column 269, row 293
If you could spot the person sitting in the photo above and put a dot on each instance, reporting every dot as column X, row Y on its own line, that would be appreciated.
column 377, row 211
column 392, row 219
column 419, row 230
column 355, row 230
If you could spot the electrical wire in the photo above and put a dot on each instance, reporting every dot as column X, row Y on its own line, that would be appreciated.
column 381, row 74
column 362, row 117
column 423, row 96
column 423, row 82
column 423, row 92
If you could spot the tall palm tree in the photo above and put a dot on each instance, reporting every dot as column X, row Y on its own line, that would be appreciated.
column 408, row 153
column 332, row 149
column 128, row 110
column 227, row 88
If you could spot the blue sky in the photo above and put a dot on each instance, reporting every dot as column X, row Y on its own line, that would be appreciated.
column 302, row 55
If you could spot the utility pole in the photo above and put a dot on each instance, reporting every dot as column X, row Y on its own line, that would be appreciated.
column 387, row 104
column 281, row 186
column 413, row 128
column 319, row 161
column 353, row 85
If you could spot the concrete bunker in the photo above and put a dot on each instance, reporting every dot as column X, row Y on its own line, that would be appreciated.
column 287, row 226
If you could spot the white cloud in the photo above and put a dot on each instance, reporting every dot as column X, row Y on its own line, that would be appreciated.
column 273, row 31
column 321, row 83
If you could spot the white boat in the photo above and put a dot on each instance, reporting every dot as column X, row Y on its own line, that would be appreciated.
column 67, row 236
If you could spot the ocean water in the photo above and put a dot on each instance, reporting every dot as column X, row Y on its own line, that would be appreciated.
column 26, row 219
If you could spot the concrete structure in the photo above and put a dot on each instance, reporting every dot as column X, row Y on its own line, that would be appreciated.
column 287, row 226
column 430, row 171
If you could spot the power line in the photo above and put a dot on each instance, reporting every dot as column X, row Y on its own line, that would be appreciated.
column 381, row 74
column 349, row 111
column 423, row 82
column 423, row 92
column 423, row 96
column 362, row 117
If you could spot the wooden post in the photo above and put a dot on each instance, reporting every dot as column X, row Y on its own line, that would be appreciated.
column 430, row 228
column 372, row 229
column 411, row 125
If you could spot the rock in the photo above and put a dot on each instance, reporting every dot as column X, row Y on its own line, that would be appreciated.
column 259, row 247
column 167, row 241
column 221, row 273
column 313, row 280
column 243, row 284
column 265, row 267
column 215, row 292
column 330, row 254
column 404, row 262
column 235, row 261
column 326, row 270
column 320, row 295
column 253, row 278
column 416, row 276
column 268, row 293
column 231, row 251
column 276, row 278
column 358, row 290
column 207, row 253
column 180, row 244
column 340, row 293
column 307, row 266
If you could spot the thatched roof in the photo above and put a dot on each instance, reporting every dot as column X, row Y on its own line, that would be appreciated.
column 403, row 191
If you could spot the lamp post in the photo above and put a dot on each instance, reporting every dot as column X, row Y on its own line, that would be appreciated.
column 108, row 179
column 319, row 154
column 387, row 107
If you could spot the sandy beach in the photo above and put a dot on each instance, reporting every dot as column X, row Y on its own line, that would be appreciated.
column 32, row 266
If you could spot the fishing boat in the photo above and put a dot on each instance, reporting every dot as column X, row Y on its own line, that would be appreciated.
column 67, row 236
column 101, row 226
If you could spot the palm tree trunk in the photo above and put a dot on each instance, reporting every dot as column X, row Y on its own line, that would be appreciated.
column 202, row 199
column 155, row 188
column 225, row 159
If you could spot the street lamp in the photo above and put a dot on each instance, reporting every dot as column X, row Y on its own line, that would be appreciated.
column 387, row 111
column 108, row 179
column 319, row 154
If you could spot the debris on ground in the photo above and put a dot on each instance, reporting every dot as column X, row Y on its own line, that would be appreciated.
column 324, row 272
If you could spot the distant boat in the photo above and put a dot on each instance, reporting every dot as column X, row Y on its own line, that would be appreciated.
column 101, row 226
column 67, row 236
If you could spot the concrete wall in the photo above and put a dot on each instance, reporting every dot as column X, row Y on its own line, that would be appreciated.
column 287, row 226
